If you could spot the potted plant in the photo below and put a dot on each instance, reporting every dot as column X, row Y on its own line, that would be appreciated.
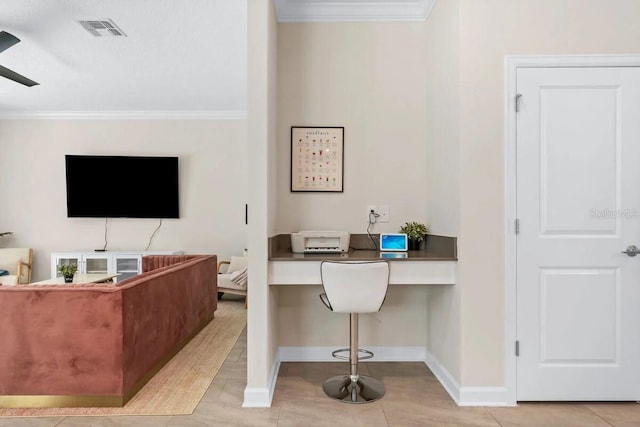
column 67, row 271
column 416, row 232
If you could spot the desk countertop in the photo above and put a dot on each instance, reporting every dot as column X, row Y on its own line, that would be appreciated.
column 437, row 248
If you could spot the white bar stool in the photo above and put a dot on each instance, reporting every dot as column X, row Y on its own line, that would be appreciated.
column 354, row 287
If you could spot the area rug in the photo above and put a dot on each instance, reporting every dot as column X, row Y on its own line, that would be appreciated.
column 178, row 387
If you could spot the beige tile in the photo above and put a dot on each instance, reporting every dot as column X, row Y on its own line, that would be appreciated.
column 318, row 371
column 324, row 411
column 414, row 389
column 292, row 388
column 233, row 370
column 435, row 413
column 235, row 354
column 547, row 414
column 214, row 390
column 283, row 370
column 382, row 370
column 233, row 392
column 618, row 414
column 221, row 414
column 625, row 424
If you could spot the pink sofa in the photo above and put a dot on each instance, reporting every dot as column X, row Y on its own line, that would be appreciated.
column 98, row 344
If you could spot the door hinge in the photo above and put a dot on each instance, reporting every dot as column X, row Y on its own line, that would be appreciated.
column 517, row 102
column 517, row 348
column 517, row 225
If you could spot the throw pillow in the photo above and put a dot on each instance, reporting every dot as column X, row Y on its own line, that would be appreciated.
column 237, row 263
column 240, row 278
column 3, row 272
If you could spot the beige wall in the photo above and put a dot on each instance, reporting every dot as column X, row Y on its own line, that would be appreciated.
column 371, row 79
column 442, row 163
column 442, row 118
column 305, row 321
column 213, row 185
column 488, row 31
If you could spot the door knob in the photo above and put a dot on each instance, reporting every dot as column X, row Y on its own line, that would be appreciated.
column 632, row 250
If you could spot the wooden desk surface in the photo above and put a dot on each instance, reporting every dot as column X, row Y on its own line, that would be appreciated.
column 437, row 248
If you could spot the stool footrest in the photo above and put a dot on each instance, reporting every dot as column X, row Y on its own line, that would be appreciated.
column 367, row 354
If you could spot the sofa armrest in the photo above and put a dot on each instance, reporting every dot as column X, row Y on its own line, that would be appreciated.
column 220, row 264
column 153, row 262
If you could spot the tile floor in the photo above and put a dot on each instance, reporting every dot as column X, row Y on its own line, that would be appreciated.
column 414, row 397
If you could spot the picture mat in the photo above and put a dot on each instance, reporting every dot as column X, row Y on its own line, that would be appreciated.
column 317, row 163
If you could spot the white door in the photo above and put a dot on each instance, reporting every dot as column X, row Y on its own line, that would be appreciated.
column 578, row 204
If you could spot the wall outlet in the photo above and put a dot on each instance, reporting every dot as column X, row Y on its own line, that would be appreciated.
column 372, row 208
column 383, row 211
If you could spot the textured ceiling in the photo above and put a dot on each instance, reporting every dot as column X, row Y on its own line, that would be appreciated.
column 179, row 58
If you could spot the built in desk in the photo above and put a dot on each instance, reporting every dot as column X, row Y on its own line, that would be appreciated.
column 434, row 265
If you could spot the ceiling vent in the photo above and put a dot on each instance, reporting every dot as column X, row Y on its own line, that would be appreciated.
column 103, row 28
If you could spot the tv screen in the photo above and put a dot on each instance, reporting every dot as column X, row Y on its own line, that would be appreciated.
column 122, row 186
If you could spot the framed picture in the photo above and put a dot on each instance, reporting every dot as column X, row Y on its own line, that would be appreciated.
column 317, row 159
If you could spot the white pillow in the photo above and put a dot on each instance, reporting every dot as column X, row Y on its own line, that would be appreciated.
column 237, row 263
column 239, row 275
column 240, row 278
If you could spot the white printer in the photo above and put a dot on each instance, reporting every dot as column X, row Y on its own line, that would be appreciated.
column 320, row 242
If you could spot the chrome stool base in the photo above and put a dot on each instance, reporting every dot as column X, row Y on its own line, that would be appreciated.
column 365, row 389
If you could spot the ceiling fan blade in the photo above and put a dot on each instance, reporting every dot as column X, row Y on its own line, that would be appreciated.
column 12, row 75
column 7, row 40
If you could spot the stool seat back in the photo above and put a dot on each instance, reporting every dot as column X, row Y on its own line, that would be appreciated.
column 354, row 286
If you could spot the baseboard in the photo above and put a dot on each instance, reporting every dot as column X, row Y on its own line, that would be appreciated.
column 256, row 397
column 442, row 374
column 323, row 354
column 483, row 396
column 261, row 397
column 466, row 396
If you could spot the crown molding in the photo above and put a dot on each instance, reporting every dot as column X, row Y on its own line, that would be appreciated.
column 128, row 115
column 352, row 10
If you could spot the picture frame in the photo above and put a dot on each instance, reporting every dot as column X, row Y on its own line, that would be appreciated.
column 317, row 159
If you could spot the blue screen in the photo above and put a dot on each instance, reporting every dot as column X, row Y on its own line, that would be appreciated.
column 393, row 242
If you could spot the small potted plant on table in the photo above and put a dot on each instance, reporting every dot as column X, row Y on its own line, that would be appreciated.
column 67, row 271
column 416, row 233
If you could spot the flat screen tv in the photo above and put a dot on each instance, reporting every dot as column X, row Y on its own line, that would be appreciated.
column 122, row 186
